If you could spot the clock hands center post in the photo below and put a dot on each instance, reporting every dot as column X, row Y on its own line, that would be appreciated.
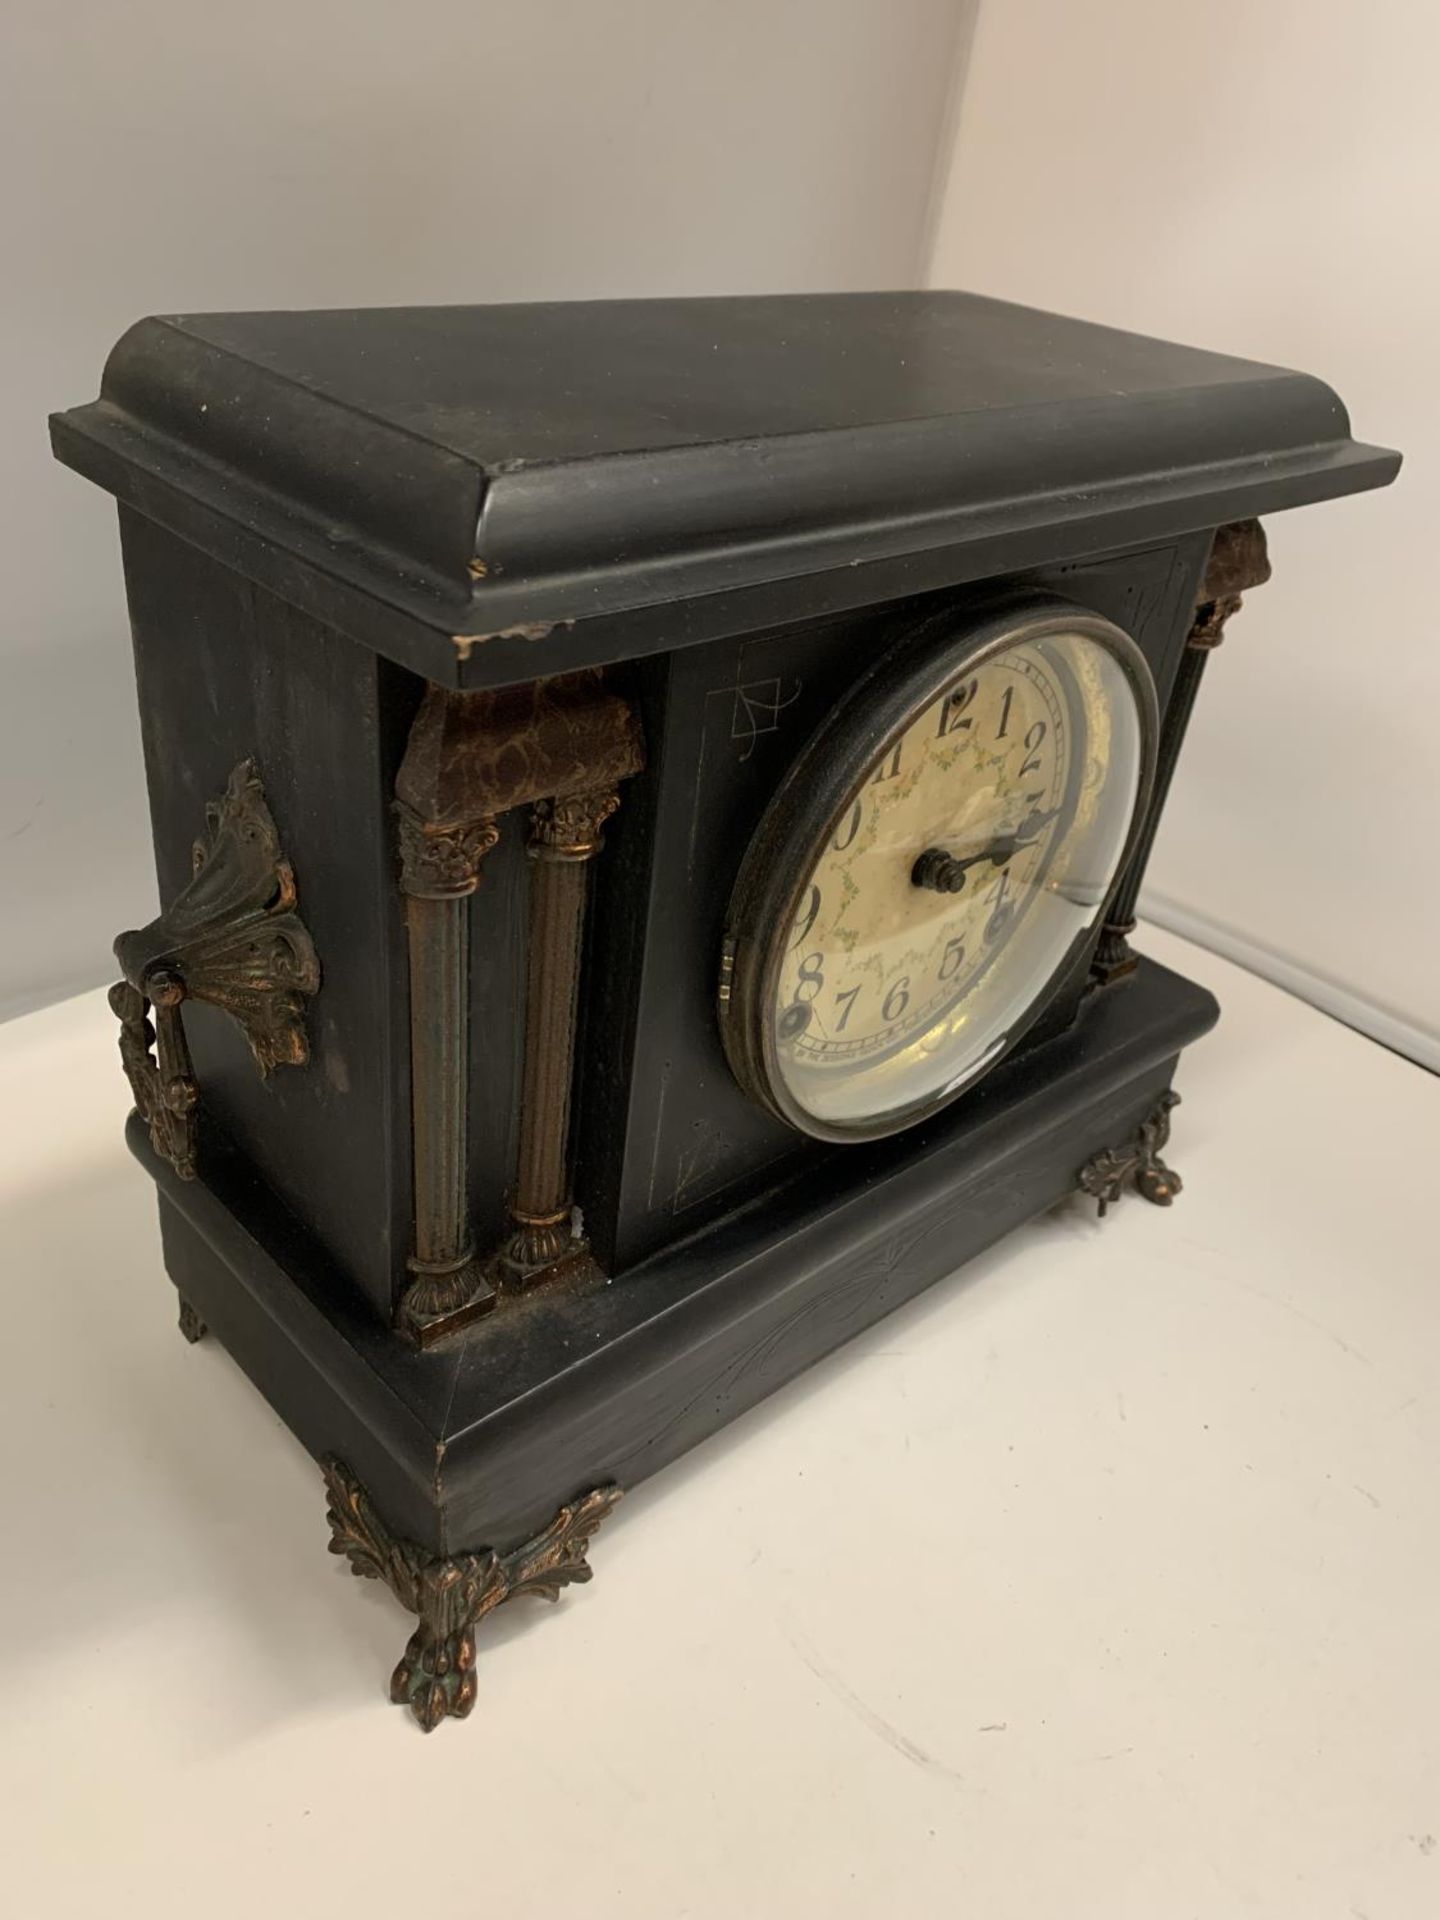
column 944, row 872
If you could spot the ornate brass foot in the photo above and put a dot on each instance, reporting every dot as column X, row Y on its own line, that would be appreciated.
column 1138, row 1162
column 191, row 1325
column 436, row 1674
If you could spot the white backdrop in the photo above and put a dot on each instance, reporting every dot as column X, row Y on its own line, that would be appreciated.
column 1253, row 176
column 164, row 155
column 1264, row 179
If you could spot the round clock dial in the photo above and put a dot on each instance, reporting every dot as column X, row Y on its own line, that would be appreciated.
column 932, row 864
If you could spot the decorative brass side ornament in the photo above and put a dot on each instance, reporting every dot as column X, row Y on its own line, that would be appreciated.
column 1137, row 1163
column 452, row 1594
column 231, row 938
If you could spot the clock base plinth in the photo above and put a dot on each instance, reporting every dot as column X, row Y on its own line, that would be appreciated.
column 485, row 1438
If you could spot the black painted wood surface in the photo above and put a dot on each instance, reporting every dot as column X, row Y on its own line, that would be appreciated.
column 666, row 1138
column 226, row 672
column 478, row 1443
column 490, row 493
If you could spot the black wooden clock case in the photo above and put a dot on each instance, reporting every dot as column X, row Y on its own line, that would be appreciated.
column 485, row 635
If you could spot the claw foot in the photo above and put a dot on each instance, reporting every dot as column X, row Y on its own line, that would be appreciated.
column 1137, row 1163
column 436, row 1675
column 191, row 1325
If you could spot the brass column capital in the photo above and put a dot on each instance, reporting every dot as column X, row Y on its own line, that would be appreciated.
column 1239, row 560
column 442, row 863
column 569, row 826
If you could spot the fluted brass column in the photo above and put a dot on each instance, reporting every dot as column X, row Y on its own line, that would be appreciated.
column 565, row 835
column 1238, row 561
column 559, row 748
column 439, row 870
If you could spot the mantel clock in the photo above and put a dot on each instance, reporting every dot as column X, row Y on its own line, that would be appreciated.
column 649, row 799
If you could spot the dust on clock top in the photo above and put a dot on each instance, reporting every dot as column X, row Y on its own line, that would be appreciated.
column 454, row 485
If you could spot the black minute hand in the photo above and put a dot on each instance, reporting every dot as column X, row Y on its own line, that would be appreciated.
column 945, row 872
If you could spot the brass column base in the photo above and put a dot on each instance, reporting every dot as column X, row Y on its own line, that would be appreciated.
column 444, row 1296
column 452, row 1594
column 539, row 1244
column 1137, row 1163
column 1114, row 958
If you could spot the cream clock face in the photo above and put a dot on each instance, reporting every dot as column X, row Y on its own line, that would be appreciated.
column 883, row 956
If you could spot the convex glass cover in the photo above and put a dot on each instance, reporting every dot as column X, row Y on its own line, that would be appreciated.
column 931, row 864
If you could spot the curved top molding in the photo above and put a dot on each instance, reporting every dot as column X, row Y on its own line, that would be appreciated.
column 484, row 492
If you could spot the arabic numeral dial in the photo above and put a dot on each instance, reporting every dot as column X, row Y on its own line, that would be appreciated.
column 940, row 851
